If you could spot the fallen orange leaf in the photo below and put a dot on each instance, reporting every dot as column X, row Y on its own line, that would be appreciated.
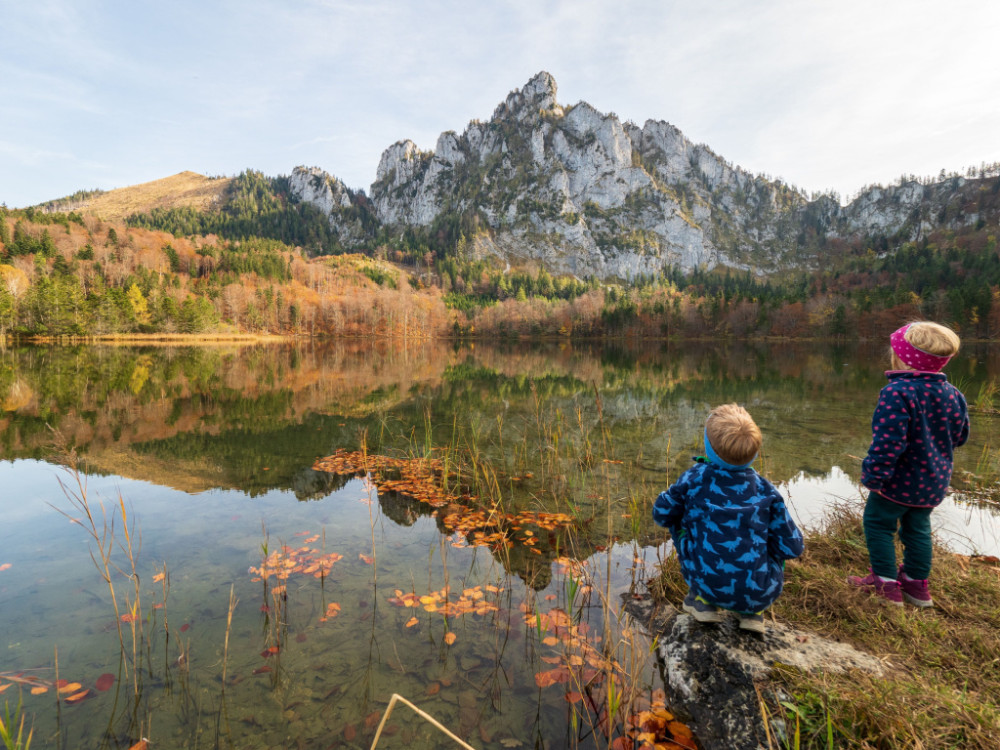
column 78, row 696
column 5, row 566
column 70, row 687
column 411, row 622
column 142, row 744
column 158, row 577
column 450, row 638
column 39, row 690
column 5, row 686
column 368, row 559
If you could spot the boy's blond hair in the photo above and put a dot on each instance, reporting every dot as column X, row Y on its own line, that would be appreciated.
column 929, row 337
column 734, row 435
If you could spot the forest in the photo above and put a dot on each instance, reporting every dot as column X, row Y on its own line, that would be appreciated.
column 263, row 264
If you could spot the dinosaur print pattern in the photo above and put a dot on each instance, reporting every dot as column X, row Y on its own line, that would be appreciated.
column 732, row 533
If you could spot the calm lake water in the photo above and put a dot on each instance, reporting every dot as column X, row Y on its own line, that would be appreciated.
column 210, row 453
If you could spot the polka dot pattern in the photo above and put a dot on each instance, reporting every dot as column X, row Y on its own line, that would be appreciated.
column 919, row 421
column 910, row 356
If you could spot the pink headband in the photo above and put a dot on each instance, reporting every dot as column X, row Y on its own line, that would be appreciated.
column 910, row 356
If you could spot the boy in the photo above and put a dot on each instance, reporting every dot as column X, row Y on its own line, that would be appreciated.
column 730, row 527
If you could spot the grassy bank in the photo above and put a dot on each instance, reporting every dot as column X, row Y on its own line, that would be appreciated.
column 942, row 684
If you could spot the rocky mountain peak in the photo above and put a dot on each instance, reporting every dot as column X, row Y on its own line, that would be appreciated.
column 578, row 191
column 537, row 94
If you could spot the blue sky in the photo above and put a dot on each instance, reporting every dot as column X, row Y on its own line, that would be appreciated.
column 826, row 95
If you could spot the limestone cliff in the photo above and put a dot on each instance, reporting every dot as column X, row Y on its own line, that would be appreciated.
column 579, row 191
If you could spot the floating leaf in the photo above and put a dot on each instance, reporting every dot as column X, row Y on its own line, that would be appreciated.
column 552, row 676
column 574, row 697
column 5, row 566
column 105, row 681
column 434, row 688
column 129, row 617
column 367, row 559
column 350, row 732
column 158, row 577
column 550, row 641
column 5, row 686
column 450, row 638
column 142, row 744
column 70, row 687
column 411, row 622
column 270, row 651
column 185, row 627
column 40, row 689
column 76, row 698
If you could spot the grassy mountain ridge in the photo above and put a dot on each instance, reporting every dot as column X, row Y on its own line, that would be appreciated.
column 183, row 190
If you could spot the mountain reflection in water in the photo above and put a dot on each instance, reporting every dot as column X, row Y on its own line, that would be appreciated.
column 214, row 451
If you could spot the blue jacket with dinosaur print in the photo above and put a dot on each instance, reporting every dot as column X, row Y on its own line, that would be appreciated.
column 732, row 532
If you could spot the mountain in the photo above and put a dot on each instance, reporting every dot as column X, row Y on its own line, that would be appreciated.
column 579, row 191
column 567, row 189
column 182, row 190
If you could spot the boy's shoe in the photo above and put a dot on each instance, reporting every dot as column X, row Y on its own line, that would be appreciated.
column 888, row 590
column 700, row 610
column 753, row 623
column 916, row 592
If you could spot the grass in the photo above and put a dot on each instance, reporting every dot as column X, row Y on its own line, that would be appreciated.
column 179, row 190
column 12, row 729
column 941, row 688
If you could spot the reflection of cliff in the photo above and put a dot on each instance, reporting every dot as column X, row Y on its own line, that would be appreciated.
column 254, row 417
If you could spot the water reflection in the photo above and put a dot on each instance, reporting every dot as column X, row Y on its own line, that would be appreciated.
column 214, row 451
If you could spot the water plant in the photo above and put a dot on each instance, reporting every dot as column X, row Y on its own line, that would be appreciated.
column 12, row 728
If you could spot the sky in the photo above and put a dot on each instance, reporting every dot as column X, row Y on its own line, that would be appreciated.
column 824, row 95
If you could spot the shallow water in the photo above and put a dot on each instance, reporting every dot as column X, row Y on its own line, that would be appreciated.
column 211, row 450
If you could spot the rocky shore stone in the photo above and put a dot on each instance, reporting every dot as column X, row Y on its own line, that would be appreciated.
column 711, row 672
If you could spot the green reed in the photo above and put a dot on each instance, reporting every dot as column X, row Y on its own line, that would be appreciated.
column 12, row 728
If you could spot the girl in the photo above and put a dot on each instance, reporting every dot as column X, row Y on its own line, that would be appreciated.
column 919, row 421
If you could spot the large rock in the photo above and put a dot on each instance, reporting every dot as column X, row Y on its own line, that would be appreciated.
column 710, row 671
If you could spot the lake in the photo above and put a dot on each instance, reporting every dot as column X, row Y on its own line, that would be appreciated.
column 263, row 603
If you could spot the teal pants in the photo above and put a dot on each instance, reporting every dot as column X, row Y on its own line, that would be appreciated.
column 882, row 519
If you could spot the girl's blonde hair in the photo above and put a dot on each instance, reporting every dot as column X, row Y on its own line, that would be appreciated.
column 929, row 337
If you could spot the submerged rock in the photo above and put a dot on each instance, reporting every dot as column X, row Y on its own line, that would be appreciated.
column 711, row 672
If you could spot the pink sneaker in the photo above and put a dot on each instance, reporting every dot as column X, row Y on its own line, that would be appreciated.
column 888, row 590
column 916, row 592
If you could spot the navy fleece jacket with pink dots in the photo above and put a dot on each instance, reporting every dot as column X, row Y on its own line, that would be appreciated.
column 919, row 421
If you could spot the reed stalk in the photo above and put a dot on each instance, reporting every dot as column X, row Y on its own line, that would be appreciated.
column 229, row 625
